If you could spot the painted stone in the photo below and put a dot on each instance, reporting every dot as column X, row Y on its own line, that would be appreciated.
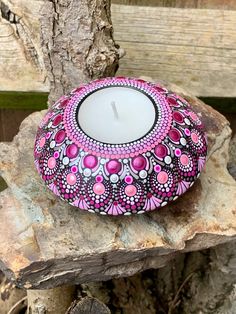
column 114, row 179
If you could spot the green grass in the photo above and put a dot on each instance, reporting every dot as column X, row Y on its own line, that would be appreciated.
column 23, row 100
column 38, row 101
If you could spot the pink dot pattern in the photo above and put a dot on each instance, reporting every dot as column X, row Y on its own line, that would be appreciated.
column 121, row 179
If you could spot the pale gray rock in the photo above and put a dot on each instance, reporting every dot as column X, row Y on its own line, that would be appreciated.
column 47, row 243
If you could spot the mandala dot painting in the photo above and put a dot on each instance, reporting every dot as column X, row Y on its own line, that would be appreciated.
column 137, row 164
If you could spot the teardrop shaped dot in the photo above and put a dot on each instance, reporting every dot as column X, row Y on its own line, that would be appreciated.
column 174, row 135
column 63, row 103
column 113, row 166
column 194, row 137
column 178, row 117
column 184, row 160
column 130, row 190
column 90, row 161
column 160, row 151
column 60, row 136
column 72, row 150
column 51, row 163
column 98, row 188
column 159, row 89
column 187, row 131
column 172, row 101
column 57, row 120
column 71, row 178
column 139, row 163
column 162, row 177
column 42, row 142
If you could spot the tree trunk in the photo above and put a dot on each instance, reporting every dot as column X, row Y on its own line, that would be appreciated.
column 88, row 305
column 78, row 46
column 77, row 42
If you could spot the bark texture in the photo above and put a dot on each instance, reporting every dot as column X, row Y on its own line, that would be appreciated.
column 77, row 42
column 88, row 305
column 200, row 282
column 194, row 47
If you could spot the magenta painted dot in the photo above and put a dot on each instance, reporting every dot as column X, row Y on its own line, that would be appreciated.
column 194, row 137
column 184, row 160
column 160, row 89
column 113, row 166
column 63, row 103
column 72, row 150
column 130, row 190
column 178, row 117
column 160, row 151
column 162, row 177
column 48, row 135
column 42, row 142
column 187, row 132
column 177, row 152
column 128, row 179
column 71, row 178
column 57, row 120
column 99, row 178
column 56, row 154
column 60, row 136
column 51, row 163
column 139, row 163
column 98, row 188
column 172, row 101
column 174, row 135
column 90, row 161
column 74, row 169
column 157, row 168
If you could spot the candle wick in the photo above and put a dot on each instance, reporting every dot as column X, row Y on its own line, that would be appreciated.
column 113, row 105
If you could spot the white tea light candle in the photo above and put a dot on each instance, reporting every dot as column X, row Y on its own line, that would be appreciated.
column 116, row 115
column 120, row 146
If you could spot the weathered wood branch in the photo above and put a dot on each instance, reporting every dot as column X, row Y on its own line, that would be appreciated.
column 77, row 43
column 194, row 48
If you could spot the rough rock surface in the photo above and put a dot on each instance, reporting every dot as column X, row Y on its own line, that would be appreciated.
column 46, row 243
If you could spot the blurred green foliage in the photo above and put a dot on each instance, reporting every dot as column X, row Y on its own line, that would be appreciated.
column 23, row 100
column 38, row 101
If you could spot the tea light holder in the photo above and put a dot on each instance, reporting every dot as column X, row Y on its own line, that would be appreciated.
column 119, row 146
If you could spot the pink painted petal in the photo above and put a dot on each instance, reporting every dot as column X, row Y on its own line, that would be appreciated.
column 201, row 163
column 54, row 189
column 182, row 187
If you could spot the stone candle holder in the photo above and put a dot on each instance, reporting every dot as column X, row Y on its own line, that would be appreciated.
column 125, row 178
